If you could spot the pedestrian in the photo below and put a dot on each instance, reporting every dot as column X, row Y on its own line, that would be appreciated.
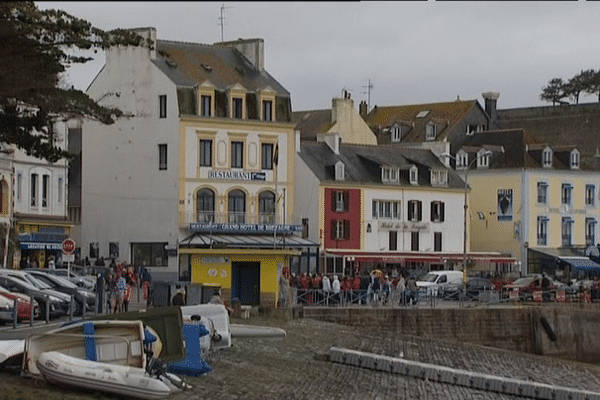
column 365, row 284
column 128, row 295
column 401, row 288
column 51, row 264
column 179, row 298
column 335, row 289
column 284, row 290
column 326, row 289
column 121, row 287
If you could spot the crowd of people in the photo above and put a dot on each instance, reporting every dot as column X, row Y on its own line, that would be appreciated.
column 370, row 288
column 119, row 283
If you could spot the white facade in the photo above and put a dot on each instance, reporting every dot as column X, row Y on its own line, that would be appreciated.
column 127, row 197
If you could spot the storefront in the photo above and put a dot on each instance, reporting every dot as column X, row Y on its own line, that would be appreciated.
column 39, row 241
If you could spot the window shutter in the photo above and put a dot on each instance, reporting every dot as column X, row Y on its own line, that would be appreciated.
column 333, row 200
column 346, row 197
column 432, row 207
column 333, row 229
column 442, row 212
column 346, row 229
column 419, row 211
column 411, row 206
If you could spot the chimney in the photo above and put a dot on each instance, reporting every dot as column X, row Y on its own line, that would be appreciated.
column 363, row 109
column 491, row 102
column 148, row 33
column 341, row 109
column 252, row 49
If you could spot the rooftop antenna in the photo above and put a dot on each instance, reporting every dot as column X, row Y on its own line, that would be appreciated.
column 345, row 92
column 222, row 20
column 369, row 87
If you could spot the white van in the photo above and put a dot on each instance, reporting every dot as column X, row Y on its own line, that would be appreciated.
column 434, row 280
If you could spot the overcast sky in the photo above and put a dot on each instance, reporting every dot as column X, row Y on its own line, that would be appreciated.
column 412, row 52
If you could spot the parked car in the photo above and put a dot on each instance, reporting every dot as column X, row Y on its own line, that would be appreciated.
column 25, row 276
column 82, row 296
column 434, row 282
column 24, row 304
column 475, row 286
column 6, row 309
column 527, row 285
column 57, row 305
column 84, row 281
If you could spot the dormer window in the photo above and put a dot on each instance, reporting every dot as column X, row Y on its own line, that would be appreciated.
column 483, row 160
column 439, row 177
column 462, row 160
column 389, row 174
column 430, row 131
column 395, row 133
column 339, row 171
column 237, row 108
column 267, row 110
column 206, row 105
column 547, row 158
column 414, row 175
column 575, row 159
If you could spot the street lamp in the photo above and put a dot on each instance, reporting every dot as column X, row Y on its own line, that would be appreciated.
column 466, row 206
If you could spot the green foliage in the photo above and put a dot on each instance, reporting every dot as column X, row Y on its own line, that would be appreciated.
column 587, row 81
column 35, row 48
column 554, row 91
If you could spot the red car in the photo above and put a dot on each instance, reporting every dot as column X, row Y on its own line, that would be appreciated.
column 23, row 303
column 527, row 285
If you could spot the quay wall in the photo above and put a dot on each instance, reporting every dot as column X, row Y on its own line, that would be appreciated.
column 561, row 331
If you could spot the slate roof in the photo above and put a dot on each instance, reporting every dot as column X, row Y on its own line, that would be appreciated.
column 521, row 150
column 363, row 163
column 576, row 124
column 183, row 63
column 446, row 115
column 312, row 123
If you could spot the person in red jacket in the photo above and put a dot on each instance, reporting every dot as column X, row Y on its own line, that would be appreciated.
column 355, row 288
column 346, row 285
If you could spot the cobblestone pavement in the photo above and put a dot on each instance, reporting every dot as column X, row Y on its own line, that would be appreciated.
column 296, row 367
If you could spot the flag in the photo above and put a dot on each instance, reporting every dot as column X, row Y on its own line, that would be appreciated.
column 276, row 155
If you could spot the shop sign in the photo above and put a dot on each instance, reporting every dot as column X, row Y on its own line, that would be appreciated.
column 238, row 175
column 215, row 260
column 41, row 246
column 244, row 228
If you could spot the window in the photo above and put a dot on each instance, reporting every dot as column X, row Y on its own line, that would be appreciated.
column 113, row 250
column 414, row 241
column 266, row 207
column 566, row 193
column 162, row 157
column 395, row 133
column 542, row 231
column 393, row 241
column 238, row 107
column 149, row 254
column 205, row 206
column 437, row 211
column 437, row 241
column 340, row 200
column 34, row 186
column 483, row 161
column 575, row 159
column 340, row 168
column 237, row 207
column 162, row 106
column 45, row 190
column 547, row 158
column 430, row 131
column 267, row 155
column 206, row 105
column 439, row 177
column 237, row 154
column 386, row 209
column 267, row 110
column 542, row 192
column 340, row 229
column 567, row 226
column 414, row 210
column 590, row 194
column 590, row 231
column 462, row 160
column 205, row 153
column 385, row 174
column 414, row 175
column 472, row 128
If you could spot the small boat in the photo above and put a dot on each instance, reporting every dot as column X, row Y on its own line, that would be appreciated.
column 118, row 379
column 114, row 342
column 256, row 332
column 11, row 352
column 216, row 320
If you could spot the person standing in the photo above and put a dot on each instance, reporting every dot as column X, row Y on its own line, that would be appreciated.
column 326, row 289
column 335, row 288
column 51, row 264
column 121, row 287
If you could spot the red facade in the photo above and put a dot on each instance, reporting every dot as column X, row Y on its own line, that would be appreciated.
column 342, row 218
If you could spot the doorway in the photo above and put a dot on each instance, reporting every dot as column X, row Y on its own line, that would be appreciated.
column 245, row 282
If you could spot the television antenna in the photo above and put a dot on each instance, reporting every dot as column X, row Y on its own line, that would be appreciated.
column 369, row 87
column 222, row 20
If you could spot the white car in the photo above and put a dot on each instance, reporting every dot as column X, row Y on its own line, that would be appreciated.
column 431, row 283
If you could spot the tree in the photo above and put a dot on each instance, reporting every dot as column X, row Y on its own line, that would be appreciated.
column 554, row 91
column 577, row 84
column 36, row 46
column 592, row 79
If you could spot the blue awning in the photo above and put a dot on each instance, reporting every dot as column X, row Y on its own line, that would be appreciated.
column 582, row 263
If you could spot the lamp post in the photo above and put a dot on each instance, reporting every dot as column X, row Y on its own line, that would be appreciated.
column 466, row 206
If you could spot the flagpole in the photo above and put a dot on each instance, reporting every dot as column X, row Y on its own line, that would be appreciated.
column 275, row 162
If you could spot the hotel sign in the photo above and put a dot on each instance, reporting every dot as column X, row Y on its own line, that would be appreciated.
column 238, row 175
column 245, row 228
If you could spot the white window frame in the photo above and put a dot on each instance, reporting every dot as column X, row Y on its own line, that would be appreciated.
column 542, row 230
column 547, row 158
column 575, row 159
column 430, row 131
column 542, row 192
column 414, row 175
column 590, row 195
column 396, row 133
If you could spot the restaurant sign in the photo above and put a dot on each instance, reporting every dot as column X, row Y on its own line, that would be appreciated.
column 237, row 175
column 245, row 228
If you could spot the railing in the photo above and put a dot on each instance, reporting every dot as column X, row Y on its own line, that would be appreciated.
column 208, row 217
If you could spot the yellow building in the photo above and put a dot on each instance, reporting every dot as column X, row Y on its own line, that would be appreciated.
column 534, row 202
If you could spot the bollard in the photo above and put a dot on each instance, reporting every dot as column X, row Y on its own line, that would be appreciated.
column 71, row 309
column 47, row 308
column 15, row 311
column 31, row 300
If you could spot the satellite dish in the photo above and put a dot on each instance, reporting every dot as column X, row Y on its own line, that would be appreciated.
column 592, row 251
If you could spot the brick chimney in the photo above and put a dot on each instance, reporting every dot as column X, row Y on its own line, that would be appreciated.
column 363, row 109
column 491, row 102
column 252, row 49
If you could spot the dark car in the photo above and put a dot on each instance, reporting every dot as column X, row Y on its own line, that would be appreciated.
column 57, row 305
column 81, row 295
column 475, row 286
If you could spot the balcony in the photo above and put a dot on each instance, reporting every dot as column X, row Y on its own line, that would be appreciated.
column 237, row 221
